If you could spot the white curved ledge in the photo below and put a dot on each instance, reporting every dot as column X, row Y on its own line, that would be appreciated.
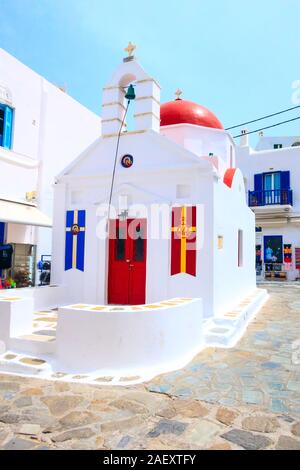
column 129, row 339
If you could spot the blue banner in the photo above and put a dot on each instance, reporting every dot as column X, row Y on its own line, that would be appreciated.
column 75, row 239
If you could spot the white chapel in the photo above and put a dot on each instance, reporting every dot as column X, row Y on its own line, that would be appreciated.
column 153, row 253
column 179, row 160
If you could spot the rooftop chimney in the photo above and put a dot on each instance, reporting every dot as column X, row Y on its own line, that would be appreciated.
column 244, row 142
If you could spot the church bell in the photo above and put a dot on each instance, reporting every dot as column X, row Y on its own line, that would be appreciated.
column 130, row 95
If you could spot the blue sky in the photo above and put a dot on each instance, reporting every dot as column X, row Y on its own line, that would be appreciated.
column 237, row 58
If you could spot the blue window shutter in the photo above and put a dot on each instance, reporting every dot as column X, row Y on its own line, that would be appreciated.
column 7, row 134
column 285, row 179
column 2, row 228
column 258, row 182
column 2, row 109
column 2, row 232
column 258, row 186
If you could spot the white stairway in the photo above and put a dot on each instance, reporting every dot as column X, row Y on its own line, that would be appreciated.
column 225, row 330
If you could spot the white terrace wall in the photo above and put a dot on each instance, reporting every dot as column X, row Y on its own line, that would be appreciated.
column 232, row 282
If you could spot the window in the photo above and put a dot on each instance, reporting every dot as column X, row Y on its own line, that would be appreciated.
column 23, row 264
column 1, row 124
column 272, row 181
column 272, row 185
column 139, row 244
column 240, row 248
column 183, row 191
column 271, row 188
column 258, row 261
column 220, row 242
column 275, row 180
column 6, row 118
column 277, row 146
column 77, row 197
column 2, row 237
column 120, row 244
column 231, row 156
column 273, row 252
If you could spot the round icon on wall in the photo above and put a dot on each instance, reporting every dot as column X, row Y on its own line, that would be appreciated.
column 127, row 161
column 75, row 229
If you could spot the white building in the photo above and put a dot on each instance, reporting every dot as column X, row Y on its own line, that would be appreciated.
column 272, row 173
column 181, row 157
column 177, row 162
column 174, row 273
column 41, row 131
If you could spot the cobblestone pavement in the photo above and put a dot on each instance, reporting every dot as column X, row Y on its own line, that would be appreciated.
column 263, row 370
column 247, row 397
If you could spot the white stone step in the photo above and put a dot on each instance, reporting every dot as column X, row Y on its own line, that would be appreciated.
column 36, row 344
column 217, row 335
column 227, row 329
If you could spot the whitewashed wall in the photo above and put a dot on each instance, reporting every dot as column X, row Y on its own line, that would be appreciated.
column 268, row 142
column 202, row 140
column 231, row 213
column 159, row 166
column 252, row 162
column 290, row 234
column 49, row 130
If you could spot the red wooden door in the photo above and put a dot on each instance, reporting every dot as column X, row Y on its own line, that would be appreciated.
column 127, row 262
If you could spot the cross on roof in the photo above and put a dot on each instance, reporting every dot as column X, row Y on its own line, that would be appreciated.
column 130, row 48
column 178, row 92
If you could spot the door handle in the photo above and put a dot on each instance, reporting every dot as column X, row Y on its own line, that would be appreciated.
column 131, row 265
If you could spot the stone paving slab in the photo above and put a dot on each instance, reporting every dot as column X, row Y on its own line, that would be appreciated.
column 263, row 370
column 246, row 397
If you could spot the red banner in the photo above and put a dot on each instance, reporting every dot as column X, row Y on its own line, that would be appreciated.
column 183, row 244
column 287, row 253
column 297, row 256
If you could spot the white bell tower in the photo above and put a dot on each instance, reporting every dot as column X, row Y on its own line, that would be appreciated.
column 147, row 101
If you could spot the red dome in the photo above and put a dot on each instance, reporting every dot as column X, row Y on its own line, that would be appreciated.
column 182, row 111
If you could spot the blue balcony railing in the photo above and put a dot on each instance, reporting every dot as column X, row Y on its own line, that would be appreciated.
column 270, row 197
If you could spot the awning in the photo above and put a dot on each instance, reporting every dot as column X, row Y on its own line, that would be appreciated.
column 21, row 213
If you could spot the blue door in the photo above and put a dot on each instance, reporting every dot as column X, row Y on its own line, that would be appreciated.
column 272, row 188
